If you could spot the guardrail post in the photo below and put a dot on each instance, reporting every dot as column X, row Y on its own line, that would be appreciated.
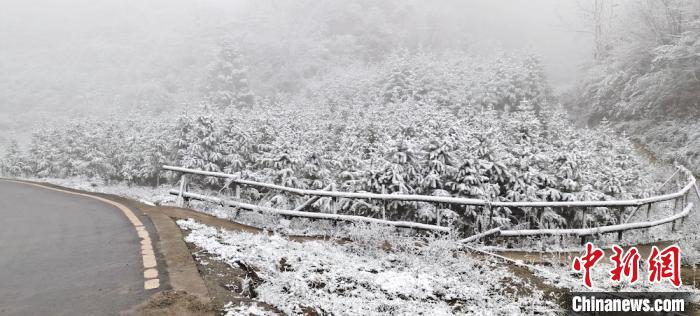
column 675, row 206
column 238, row 192
column 490, row 216
column 686, row 196
column 183, row 187
column 619, row 220
column 648, row 210
column 383, row 203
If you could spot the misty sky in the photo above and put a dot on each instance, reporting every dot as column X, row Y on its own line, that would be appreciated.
column 71, row 56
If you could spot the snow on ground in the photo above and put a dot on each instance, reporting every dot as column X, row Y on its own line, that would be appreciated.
column 362, row 278
column 244, row 310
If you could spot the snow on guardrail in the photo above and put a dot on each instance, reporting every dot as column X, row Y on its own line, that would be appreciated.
column 439, row 199
column 598, row 230
column 328, row 216
column 183, row 194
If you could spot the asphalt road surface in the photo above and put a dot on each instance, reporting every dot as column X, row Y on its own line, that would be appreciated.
column 62, row 254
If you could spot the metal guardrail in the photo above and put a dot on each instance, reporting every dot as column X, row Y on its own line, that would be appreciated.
column 680, row 195
column 601, row 229
column 327, row 216
column 437, row 199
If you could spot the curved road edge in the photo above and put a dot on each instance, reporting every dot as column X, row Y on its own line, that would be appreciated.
column 150, row 265
column 182, row 282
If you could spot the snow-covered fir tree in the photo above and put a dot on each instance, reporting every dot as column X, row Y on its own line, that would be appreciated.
column 227, row 85
column 12, row 162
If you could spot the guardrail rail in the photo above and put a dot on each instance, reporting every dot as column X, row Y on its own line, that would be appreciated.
column 679, row 197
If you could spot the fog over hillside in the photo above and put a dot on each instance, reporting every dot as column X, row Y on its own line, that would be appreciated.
column 100, row 58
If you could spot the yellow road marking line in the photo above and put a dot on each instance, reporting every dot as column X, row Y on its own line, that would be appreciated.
column 147, row 254
column 151, row 284
column 149, row 261
column 150, row 273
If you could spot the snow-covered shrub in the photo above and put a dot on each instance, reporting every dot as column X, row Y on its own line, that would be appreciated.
column 334, row 278
column 495, row 136
column 12, row 163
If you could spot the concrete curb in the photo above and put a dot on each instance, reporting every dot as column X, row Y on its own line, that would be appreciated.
column 182, row 269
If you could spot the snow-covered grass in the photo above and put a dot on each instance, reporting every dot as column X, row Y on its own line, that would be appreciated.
column 405, row 276
column 431, row 277
column 244, row 310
